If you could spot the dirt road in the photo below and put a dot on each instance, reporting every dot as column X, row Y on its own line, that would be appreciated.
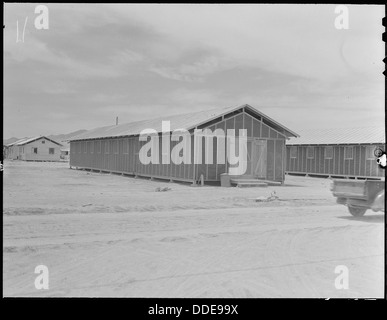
column 106, row 235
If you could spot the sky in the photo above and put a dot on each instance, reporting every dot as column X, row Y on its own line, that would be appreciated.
column 96, row 62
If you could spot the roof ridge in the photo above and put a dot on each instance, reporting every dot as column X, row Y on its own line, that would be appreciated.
column 340, row 135
column 187, row 121
column 343, row 128
column 155, row 118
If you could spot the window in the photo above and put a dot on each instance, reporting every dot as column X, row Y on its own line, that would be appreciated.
column 35, row 150
column 51, row 150
column 125, row 143
column 293, row 152
column 43, row 141
column 328, row 152
column 20, row 149
column 115, row 146
column 310, row 152
column 91, row 147
column 98, row 146
column 348, row 153
column 84, row 146
column 106, row 146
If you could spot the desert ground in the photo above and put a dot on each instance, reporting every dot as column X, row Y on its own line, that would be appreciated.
column 105, row 235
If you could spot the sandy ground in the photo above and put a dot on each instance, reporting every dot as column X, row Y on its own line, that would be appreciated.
column 113, row 236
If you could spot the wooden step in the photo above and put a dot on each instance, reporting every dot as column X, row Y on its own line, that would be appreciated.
column 245, row 180
column 248, row 180
column 251, row 184
column 248, row 183
column 271, row 183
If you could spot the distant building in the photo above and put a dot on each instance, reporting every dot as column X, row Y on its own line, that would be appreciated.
column 116, row 148
column 65, row 153
column 344, row 152
column 34, row 149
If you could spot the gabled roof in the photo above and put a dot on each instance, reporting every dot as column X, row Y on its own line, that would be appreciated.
column 16, row 142
column 360, row 135
column 182, row 121
column 25, row 141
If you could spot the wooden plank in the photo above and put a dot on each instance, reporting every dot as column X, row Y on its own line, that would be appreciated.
column 356, row 158
column 102, row 154
column 130, row 155
column 229, row 124
column 270, row 160
column 369, row 166
column 211, row 172
column 372, row 167
column 335, row 160
column 363, row 161
column 325, row 165
column 272, row 134
column 265, row 131
column 287, row 160
column 293, row 161
column 274, row 158
column 256, row 128
column 330, row 167
column 110, row 155
column 126, row 155
column 341, row 160
column 307, row 167
column 313, row 161
column 298, row 159
column 351, row 170
column 319, row 160
column 116, row 155
column 248, row 124
column 278, row 164
column 124, row 162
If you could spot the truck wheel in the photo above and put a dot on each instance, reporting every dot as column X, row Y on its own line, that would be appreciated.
column 357, row 211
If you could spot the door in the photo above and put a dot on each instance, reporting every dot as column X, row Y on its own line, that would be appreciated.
column 243, row 155
column 259, row 158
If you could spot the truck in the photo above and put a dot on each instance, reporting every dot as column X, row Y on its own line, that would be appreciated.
column 359, row 195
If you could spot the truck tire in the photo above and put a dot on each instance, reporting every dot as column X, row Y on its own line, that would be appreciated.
column 357, row 211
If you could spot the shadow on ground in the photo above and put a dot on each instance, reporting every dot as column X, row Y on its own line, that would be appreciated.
column 374, row 218
column 293, row 185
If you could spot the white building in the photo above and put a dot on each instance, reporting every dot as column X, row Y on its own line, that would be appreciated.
column 35, row 149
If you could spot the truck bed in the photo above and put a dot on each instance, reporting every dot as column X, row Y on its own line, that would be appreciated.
column 355, row 189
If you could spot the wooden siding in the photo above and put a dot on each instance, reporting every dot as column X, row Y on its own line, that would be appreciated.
column 108, row 154
column 358, row 166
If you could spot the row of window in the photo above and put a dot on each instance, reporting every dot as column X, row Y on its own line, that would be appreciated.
column 50, row 150
column 328, row 152
column 96, row 146
column 34, row 150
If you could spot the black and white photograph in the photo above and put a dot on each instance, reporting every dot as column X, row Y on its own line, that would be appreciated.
column 193, row 151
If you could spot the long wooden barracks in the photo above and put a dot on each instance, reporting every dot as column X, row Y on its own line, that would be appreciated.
column 117, row 148
column 337, row 152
